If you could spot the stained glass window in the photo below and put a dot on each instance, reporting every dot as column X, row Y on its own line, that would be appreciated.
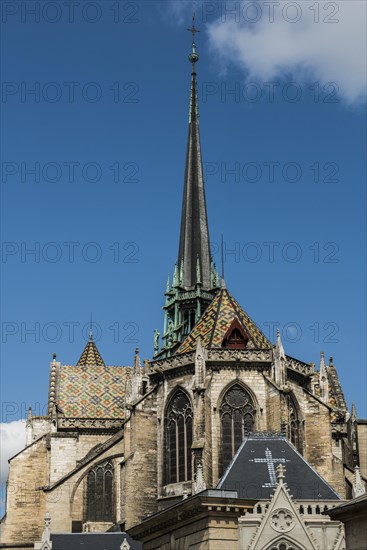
column 237, row 420
column 294, row 429
column 178, row 438
column 100, row 493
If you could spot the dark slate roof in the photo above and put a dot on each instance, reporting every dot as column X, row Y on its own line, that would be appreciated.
column 92, row 541
column 252, row 472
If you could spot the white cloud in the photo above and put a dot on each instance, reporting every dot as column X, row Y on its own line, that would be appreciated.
column 12, row 440
column 178, row 11
column 323, row 52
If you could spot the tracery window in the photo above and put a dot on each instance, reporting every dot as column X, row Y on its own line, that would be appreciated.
column 178, row 438
column 100, row 493
column 237, row 415
column 293, row 424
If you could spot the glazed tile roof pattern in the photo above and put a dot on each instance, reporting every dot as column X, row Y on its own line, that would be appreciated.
column 214, row 324
column 90, row 355
column 94, row 391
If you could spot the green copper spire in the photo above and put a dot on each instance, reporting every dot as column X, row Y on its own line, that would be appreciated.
column 175, row 277
column 194, row 282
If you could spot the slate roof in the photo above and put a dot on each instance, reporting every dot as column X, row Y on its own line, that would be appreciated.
column 217, row 319
column 96, row 391
column 92, row 541
column 252, row 472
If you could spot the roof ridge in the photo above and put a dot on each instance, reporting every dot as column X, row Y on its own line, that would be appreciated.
column 238, row 306
column 220, row 299
column 234, row 305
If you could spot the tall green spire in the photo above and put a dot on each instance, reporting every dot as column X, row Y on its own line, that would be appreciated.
column 194, row 284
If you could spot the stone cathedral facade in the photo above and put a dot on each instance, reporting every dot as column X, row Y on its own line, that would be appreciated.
column 221, row 440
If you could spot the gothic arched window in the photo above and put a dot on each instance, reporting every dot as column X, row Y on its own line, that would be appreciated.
column 294, row 429
column 99, row 506
column 178, row 438
column 237, row 415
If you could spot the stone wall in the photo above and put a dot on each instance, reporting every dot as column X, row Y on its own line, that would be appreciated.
column 205, row 533
column 361, row 427
column 139, row 472
column 28, row 471
column 65, row 500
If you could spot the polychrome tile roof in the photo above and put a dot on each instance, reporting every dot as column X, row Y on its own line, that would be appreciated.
column 90, row 355
column 214, row 324
column 96, row 391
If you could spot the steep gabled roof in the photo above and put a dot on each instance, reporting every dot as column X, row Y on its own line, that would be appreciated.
column 252, row 471
column 90, row 356
column 217, row 319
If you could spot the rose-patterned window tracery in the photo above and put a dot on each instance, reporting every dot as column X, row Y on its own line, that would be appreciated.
column 237, row 415
column 178, row 438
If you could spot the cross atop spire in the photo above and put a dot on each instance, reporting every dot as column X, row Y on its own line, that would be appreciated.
column 193, row 29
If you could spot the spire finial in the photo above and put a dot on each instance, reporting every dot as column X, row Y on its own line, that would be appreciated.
column 222, row 258
column 193, row 57
column 354, row 412
column 91, row 328
column 137, row 365
column 193, row 29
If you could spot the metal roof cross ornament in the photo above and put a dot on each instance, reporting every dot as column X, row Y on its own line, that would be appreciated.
column 193, row 29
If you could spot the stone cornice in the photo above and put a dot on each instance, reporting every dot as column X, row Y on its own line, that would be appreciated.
column 198, row 506
column 105, row 424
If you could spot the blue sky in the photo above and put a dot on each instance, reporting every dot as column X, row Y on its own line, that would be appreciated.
column 105, row 134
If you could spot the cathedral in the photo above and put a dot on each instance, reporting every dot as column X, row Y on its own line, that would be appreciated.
column 220, row 441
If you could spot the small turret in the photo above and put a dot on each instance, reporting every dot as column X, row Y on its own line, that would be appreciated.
column 134, row 386
column 323, row 379
column 200, row 367
column 279, row 362
column 358, row 487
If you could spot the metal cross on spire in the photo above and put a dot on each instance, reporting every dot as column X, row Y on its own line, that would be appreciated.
column 193, row 29
column 193, row 57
